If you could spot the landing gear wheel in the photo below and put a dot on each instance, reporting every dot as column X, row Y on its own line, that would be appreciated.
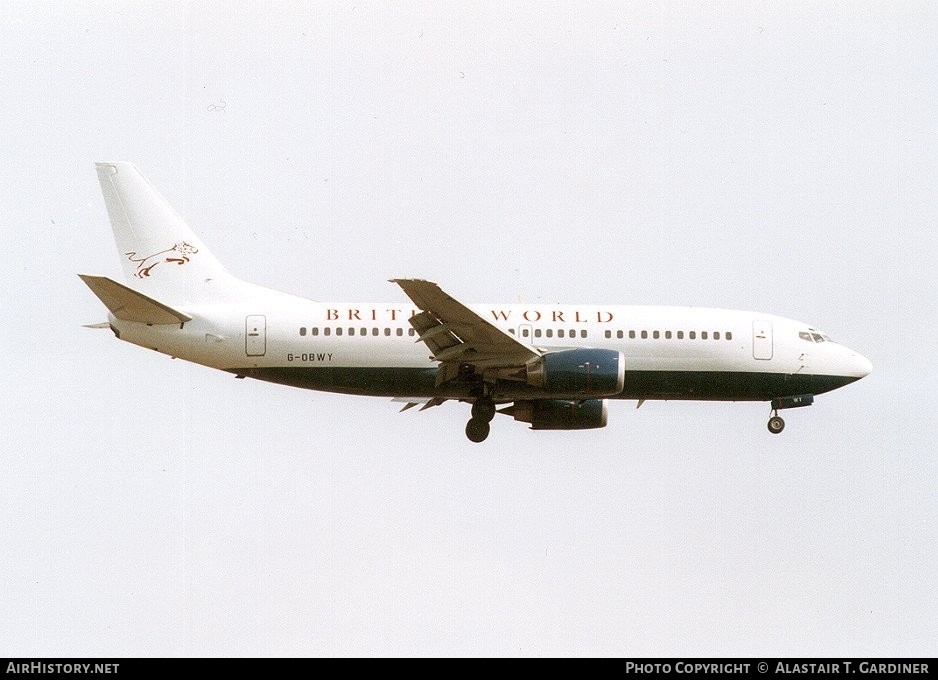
column 483, row 409
column 477, row 430
column 776, row 424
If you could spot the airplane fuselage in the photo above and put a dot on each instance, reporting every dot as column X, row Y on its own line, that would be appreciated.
column 371, row 348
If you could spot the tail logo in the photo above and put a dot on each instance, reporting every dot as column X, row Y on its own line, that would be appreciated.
column 178, row 254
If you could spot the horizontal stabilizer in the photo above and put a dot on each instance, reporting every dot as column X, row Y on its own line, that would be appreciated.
column 129, row 305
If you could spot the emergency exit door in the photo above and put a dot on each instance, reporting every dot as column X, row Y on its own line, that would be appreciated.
column 255, row 335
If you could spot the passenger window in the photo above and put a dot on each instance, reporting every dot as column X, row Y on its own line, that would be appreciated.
column 411, row 332
column 314, row 331
column 387, row 331
column 338, row 331
column 608, row 334
column 656, row 335
column 631, row 335
column 524, row 332
column 583, row 334
column 703, row 335
column 302, row 330
column 644, row 335
column 374, row 331
column 729, row 335
column 364, row 331
column 692, row 335
column 399, row 332
column 327, row 331
column 680, row 335
column 537, row 332
column 619, row 334
column 667, row 335
column 560, row 333
column 716, row 335
column 549, row 332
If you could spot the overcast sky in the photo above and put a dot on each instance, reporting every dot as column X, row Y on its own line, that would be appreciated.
column 773, row 156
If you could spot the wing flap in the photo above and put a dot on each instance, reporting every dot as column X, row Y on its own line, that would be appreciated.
column 435, row 334
column 129, row 305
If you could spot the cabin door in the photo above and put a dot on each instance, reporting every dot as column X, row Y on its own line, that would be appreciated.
column 255, row 335
column 762, row 339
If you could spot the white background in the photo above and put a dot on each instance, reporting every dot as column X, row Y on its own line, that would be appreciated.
column 772, row 156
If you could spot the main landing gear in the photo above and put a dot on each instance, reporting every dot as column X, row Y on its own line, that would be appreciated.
column 483, row 410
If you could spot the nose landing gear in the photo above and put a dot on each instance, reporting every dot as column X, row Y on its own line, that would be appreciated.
column 776, row 424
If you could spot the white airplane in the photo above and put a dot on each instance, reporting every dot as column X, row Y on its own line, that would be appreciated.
column 552, row 366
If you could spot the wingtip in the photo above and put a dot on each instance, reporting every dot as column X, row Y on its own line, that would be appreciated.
column 401, row 281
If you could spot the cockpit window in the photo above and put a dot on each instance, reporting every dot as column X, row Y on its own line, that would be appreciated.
column 814, row 336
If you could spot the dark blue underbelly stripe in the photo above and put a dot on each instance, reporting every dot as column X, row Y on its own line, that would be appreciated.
column 419, row 382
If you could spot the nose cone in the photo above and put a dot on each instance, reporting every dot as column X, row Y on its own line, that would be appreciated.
column 860, row 366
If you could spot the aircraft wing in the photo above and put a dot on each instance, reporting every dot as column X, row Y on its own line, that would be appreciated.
column 427, row 402
column 456, row 334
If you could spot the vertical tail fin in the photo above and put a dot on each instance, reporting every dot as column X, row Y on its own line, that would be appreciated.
column 160, row 254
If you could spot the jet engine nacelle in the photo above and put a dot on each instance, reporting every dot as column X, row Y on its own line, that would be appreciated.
column 561, row 414
column 575, row 372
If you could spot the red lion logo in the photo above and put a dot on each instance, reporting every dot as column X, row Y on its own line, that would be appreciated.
column 179, row 254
